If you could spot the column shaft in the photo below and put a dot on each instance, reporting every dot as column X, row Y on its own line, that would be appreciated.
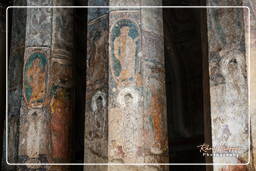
column 15, row 67
column 2, row 85
column 137, row 99
column 96, row 114
column 228, row 84
column 127, row 44
column 46, row 111
column 253, row 80
column 252, row 77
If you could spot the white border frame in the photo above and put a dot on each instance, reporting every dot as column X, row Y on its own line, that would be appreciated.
column 131, row 164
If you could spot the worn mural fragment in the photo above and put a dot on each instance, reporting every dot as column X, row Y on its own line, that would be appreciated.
column 252, row 6
column 46, row 110
column 125, row 47
column 137, row 132
column 228, row 85
column 33, row 117
column 96, row 114
column 35, row 79
column 126, row 119
column 15, row 68
column 60, row 107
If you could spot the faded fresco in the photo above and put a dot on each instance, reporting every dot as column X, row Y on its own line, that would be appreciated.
column 137, row 113
column 125, row 128
column 228, row 84
column 38, row 25
column 125, row 98
column 96, row 114
column 62, row 37
column 45, row 120
column 35, row 76
column 253, row 80
column 97, row 52
column 125, row 46
column 60, row 107
column 96, row 13
column 33, row 117
column 154, row 94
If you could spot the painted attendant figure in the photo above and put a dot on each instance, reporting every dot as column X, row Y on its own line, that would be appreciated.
column 36, row 79
column 124, row 50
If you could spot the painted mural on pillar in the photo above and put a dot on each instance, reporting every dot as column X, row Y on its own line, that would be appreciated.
column 35, row 80
column 125, row 47
column 125, row 113
column 228, row 84
column 62, row 76
column 97, row 57
column 96, row 117
column 60, row 107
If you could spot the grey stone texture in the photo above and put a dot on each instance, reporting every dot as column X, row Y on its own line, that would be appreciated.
column 46, row 107
column 252, row 62
column 228, row 82
column 38, row 32
column 96, row 114
column 15, row 68
column 133, row 96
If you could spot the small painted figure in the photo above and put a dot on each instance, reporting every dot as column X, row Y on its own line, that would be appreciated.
column 125, row 51
column 36, row 80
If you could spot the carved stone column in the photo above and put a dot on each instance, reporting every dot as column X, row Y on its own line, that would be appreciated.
column 2, row 84
column 46, row 111
column 252, row 77
column 228, row 84
column 137, row 104
column 96, row 114
column 15, row 65
column 130, row 99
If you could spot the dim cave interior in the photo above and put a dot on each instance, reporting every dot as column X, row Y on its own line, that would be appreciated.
column 185, row 41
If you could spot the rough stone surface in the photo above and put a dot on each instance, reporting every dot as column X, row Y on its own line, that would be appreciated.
column 96, row 114
column 228, row 83
column 94, row 13
column 46, row 111
column 124, row 2
column 137, row 114
column 15, row 84
column 34, row 133
column 62, row 32
column 116, row 102
column 150, row 17
column 38, row 32
column 154, row 93
column 253, row 81
column 125, row 88
column 252, row 62
column 60, row 84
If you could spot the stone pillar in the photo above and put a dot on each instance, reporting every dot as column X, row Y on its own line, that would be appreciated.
column 252, row 77
column 228, row 84
column 125, row 108
column 137, row 104
column 154, row 93
column 96, row 114
column 15, row 65
column 2, row 84
column 46, row 111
